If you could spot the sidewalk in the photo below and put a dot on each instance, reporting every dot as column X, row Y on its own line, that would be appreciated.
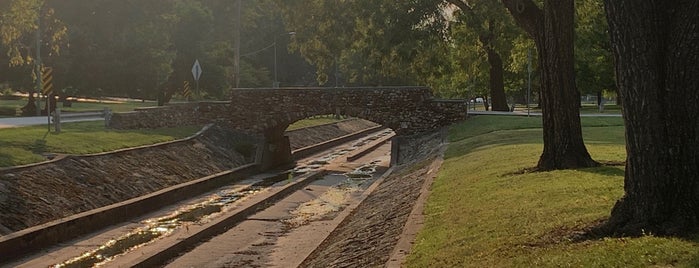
column 524, row 113
column 13, row 122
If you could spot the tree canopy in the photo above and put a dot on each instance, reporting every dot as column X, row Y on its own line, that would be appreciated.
column 142, row 48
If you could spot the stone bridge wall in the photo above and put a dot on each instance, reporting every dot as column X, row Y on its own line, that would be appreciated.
column 171, row 115
column 406, row 110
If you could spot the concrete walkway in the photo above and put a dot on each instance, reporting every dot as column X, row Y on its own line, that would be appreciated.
column 524, row 113
column 13, row 122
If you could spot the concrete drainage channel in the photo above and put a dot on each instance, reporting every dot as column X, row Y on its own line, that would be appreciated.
column 257, row 193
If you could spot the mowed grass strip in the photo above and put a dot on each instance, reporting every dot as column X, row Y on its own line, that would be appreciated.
column 484, row 212
column 310, row 122
column 24, row 145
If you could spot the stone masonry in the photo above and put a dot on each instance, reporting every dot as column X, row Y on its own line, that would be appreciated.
column 268, row 112
column 406, row 110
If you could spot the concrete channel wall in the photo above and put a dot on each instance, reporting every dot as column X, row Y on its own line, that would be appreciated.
column 310, row 150
column 26, row 241
column 173, row 115
column 37, row 237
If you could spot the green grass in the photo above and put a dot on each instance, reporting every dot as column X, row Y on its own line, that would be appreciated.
column 25, row 145
column 483, row 212
column 11, row 104
column 314, row 121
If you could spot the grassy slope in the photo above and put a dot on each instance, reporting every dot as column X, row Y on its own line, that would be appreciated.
column 309, row 122
column 480, row 214
column 19, row 146
column 24, row 145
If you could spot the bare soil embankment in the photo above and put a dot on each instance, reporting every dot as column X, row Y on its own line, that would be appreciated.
column 41, row 193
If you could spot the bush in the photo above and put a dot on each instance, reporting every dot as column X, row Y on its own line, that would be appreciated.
column 8, row 111
column 10, row 97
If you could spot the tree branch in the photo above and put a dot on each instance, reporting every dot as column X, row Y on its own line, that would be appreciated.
column 527, row 15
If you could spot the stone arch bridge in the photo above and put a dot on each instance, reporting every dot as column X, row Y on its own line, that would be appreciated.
column 268, row 112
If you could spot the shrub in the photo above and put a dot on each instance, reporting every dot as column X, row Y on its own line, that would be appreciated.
column 8, row 111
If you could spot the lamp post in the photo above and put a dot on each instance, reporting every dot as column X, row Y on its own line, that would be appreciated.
column 275, row 84
column 38, row 64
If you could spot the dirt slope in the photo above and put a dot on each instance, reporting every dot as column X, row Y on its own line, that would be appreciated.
column 42, row 193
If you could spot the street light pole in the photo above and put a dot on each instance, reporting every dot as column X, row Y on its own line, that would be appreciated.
column 236, row 45
column 275, row 84
column 529, row 79
column 38, row 63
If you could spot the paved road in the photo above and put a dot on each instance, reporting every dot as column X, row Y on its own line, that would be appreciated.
column 41, row 120
column 524, row 113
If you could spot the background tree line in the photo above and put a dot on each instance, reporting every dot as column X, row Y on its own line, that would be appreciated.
column 462, row 49
column 143, row 48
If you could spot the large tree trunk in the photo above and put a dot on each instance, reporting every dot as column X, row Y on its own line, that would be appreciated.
column 497, row 84
column 552, row 31
column 657, row 62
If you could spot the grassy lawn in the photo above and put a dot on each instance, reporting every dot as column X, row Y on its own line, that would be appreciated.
column 11, row 104
column 19, row 146
column 309, row 122
column 483, row 213
column 25, row 145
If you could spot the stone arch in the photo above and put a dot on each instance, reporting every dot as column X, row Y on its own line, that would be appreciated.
column 268, row 112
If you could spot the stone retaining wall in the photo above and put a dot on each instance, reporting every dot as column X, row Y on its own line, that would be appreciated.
column 170, row 116
column 407, row 149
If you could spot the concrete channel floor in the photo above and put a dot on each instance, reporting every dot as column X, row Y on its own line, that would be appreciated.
column 65, row 251
column 284, row 234
column 268, row 220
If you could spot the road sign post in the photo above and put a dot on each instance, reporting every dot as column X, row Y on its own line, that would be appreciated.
column 196, row 73
column 186, row 92
column 47, row 89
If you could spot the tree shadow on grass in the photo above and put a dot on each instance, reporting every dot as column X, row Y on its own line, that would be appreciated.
column 613, row 170
column 39, row 146
column 607, row 168
column 5, row 159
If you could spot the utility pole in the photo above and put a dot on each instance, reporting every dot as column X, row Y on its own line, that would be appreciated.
column 236, row 44
column 38, row 62
column 529, row 79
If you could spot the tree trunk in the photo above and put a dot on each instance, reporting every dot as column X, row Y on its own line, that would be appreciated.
column 657, row 62
column 552, row 30
column 497, row 84
column 486, row 105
